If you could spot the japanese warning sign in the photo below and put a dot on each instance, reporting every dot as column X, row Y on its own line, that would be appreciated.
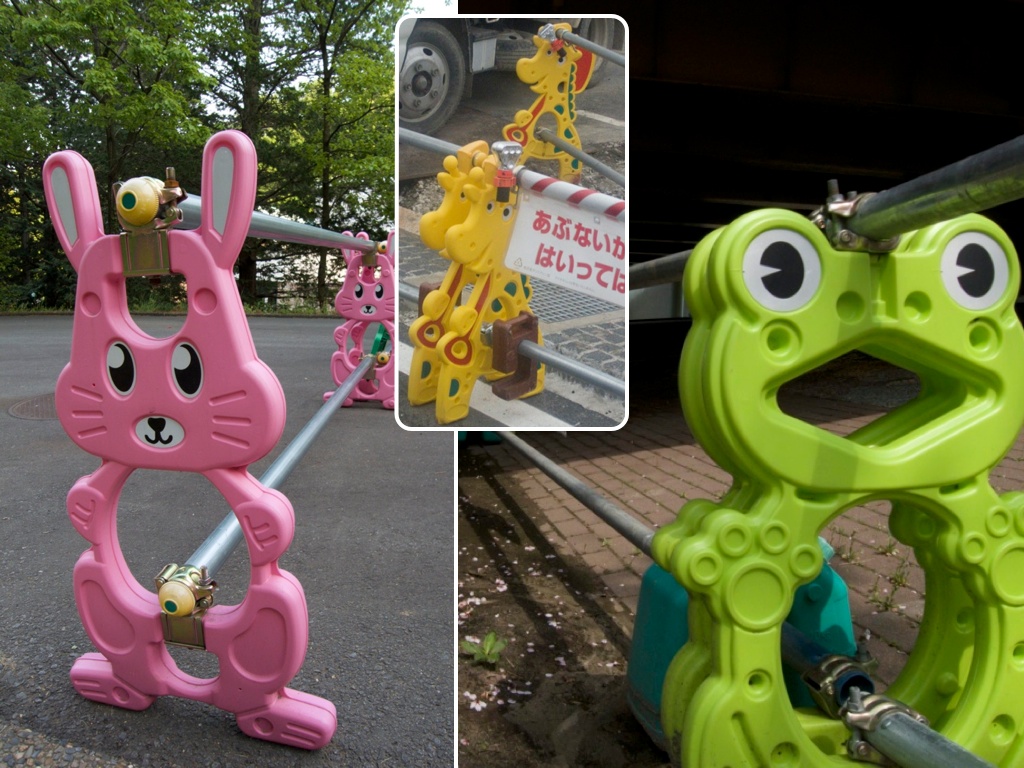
column 560, row 243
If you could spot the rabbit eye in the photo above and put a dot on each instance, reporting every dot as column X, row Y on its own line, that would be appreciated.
column 121, row 367
column 188, row 370
column 378, row 291
column 781, row 269
column 975, row 270
column 358, row 291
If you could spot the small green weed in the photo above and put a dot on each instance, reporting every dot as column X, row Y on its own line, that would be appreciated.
column 486, row 652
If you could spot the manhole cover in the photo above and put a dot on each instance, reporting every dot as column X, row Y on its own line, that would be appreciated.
column 40, row 407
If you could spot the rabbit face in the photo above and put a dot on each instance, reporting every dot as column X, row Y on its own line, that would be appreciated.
column 368, row 292
column 198, row 400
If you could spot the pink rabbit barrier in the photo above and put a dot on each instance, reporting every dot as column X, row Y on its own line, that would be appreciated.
column 366, row 299
column 199, row 401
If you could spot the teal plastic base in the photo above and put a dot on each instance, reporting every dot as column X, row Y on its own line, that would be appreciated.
column 821, row 610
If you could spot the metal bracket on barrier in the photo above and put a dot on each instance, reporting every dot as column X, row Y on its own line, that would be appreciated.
column 831, row 681
column 184, row 594
column 557, row 44
column 831, row 218
column 864, row 714
column 146, row 209
column 506, row 336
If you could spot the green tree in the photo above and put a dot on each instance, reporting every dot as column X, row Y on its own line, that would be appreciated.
column 25, row 138
column 252, row 65
column 116, row 80
column 347, row 123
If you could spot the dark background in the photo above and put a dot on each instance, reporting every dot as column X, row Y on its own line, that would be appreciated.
column 737, row 105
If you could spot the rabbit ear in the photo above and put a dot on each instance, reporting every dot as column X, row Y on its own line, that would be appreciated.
column 71, row 196
column 229, row 192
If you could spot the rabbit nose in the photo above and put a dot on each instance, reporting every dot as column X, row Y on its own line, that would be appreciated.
column 157, row 424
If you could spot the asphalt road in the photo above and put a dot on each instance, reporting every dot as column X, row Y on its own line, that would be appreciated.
column 373, row 550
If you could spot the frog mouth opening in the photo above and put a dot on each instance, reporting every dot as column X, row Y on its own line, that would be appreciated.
column 868, row 388
column 882, row 401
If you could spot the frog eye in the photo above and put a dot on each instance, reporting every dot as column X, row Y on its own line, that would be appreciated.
column 975, row 270
column 121, row 367
column 781, row 269
column 188, row 370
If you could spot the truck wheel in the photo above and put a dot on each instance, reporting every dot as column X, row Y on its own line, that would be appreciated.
column 432, row 79
column 601, row 31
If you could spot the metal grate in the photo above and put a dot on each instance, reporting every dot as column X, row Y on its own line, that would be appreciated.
column 553, row 304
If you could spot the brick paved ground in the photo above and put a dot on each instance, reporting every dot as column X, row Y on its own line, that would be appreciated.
column 653, row 465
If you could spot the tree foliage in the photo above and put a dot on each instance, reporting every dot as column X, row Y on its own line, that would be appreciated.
column 135, row 86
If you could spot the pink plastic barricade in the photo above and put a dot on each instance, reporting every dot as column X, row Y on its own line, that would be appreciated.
column 199, row 401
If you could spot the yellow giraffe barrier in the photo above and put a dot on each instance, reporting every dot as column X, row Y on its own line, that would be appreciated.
column 557, row 72
column 472, row 228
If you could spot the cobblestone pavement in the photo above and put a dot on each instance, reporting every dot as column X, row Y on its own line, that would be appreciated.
column 653, row 465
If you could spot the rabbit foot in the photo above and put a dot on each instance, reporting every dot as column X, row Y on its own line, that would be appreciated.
column 294, row 718
column 93, row 677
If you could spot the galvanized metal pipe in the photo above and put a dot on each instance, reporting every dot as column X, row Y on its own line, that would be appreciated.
column 973, row 184
column 666, row 269
column 574, row 368
column 219, row 545
column 429, row 143
column 547, row 356
column 635, row 532
column 573, row 151
column 912, row 744
column 276, row 228
column 581, row 42
column 408, row 292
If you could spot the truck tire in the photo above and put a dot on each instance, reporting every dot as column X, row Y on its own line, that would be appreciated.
column 432, row 79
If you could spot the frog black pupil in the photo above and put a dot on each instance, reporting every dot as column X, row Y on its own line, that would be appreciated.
column 788, row 277
column 979, row 280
